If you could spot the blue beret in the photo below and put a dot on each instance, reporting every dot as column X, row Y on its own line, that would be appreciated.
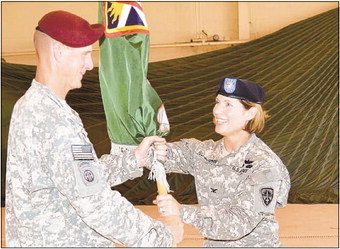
column 241, row 89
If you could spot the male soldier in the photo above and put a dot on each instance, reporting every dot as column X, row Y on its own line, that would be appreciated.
column 57, row 191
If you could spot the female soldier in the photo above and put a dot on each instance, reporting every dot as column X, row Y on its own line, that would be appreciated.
column 239, row 179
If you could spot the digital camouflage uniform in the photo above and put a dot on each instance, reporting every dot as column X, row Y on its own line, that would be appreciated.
column 237, row 192
column 58, row 192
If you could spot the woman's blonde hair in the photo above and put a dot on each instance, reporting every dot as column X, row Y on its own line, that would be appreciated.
column 257, row 123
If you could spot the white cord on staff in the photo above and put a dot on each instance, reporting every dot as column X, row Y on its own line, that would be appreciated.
column 157, row 172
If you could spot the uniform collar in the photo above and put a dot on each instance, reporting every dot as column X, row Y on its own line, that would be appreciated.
column 243, row 147
column 50, row 94
column 45, row 89
column 240, row 154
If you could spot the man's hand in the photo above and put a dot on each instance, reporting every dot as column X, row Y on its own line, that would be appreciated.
column 142, row 150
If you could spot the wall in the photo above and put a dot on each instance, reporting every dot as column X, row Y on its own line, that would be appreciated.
column 172, row 24
column 181, row 21
column 19, row 20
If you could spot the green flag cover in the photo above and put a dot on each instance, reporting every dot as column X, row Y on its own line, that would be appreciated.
column 132, row 107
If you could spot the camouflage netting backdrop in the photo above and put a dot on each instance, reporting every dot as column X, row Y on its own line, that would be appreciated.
column 298, row 66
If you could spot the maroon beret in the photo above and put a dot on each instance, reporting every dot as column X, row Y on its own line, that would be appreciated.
column 70, row 29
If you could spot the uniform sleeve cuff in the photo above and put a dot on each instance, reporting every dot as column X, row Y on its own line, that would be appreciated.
column 189, row 214
column 131, row 165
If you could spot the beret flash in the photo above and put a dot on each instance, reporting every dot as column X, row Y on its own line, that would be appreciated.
column 241, row 89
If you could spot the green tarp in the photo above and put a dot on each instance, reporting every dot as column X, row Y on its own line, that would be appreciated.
column 298, row 66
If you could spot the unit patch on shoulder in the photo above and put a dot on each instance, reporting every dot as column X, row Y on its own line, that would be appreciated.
column 87, row 174
column 87, row 178
column 267, row 195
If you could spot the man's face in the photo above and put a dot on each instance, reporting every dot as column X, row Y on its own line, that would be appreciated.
column 76, row 62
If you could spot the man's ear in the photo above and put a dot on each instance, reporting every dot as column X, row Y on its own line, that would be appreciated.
column 58, row 51
column 251, row 113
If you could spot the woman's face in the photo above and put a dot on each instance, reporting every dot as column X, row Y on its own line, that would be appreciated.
column 230, row 116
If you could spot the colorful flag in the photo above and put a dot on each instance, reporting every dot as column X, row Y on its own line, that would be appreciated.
column 132, row 107
column 122, row 18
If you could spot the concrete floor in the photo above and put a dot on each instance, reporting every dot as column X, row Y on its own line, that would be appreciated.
column 301, row 225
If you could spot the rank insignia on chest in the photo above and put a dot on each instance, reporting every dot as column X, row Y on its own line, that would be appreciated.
column 82, row 152
column 213, row 190
column 267, row 195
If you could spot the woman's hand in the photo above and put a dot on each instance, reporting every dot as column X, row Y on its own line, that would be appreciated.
column 167, row 205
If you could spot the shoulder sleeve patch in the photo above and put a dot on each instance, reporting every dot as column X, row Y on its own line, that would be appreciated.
column 266, row 197
column 87, row 178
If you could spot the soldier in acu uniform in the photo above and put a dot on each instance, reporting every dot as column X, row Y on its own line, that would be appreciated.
column 239, row 179
column 58, row 193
